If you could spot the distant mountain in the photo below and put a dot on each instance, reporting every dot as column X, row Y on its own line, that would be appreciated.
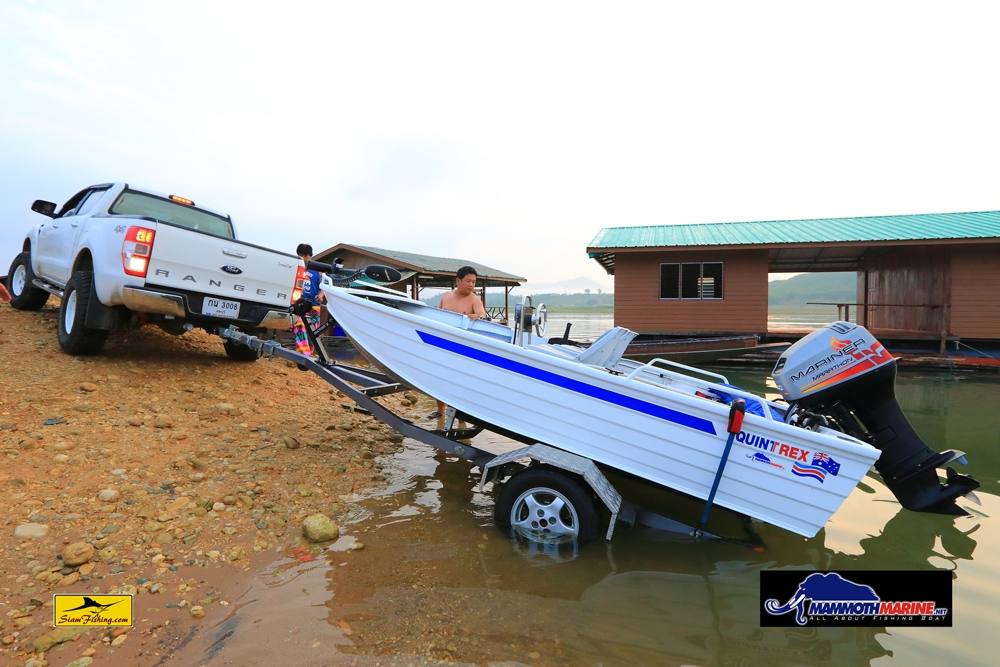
column 795, row 291
column 551, row 299
column 833, row 287
column 569, row 286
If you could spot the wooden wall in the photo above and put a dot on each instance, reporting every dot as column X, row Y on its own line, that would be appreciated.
column 975, row 291
column 743, row 308
column 909, row 276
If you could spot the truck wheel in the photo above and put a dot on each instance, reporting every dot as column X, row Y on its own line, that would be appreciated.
column 74, row 336
column 546, row 506
column 239, row 352
column 24, row 295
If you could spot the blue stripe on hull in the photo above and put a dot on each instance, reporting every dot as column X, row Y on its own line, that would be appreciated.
column 639, row 405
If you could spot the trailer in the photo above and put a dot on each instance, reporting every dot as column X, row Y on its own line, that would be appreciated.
column 546, row 495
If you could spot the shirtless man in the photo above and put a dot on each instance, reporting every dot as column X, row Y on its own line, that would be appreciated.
column 462, row 299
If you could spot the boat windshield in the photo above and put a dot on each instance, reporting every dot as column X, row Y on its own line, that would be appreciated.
column 132, row 202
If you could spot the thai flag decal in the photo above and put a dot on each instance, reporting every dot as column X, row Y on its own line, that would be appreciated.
column 822, row 464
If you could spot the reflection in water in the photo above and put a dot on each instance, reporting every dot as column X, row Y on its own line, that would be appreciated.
column 648, row 598
column 436, row 581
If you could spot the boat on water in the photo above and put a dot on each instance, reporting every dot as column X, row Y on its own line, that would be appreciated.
column 699, row 349
column 791, row 463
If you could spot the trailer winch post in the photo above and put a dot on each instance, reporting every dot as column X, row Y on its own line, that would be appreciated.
column 737, row 410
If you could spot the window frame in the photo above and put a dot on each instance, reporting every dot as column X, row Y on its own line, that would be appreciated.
column 701, row 276
column 224, row 218
column 93, row 196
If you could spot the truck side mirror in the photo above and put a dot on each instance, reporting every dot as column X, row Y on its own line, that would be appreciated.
column 46, row 208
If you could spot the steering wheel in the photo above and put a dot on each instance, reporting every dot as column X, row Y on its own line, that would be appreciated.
column 540, row 319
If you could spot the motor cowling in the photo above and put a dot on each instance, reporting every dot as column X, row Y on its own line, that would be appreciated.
column 843, row 377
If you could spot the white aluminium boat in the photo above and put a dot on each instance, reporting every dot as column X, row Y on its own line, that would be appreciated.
column 658, row 421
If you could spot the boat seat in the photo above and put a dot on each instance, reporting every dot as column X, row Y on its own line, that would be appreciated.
column 607, row 350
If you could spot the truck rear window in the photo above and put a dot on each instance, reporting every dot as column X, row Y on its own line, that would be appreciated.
column 131, row 202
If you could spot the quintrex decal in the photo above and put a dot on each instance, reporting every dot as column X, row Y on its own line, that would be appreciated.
column 867, row 598
column 817, row 467
column 774, row 446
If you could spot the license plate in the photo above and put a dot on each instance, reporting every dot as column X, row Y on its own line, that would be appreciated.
column 220, row 308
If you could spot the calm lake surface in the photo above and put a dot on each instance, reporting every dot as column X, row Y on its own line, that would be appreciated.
column 588, row 326
column 437, row 582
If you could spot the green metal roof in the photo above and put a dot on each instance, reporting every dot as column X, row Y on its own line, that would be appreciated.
column 880, row 228
column 431, row 264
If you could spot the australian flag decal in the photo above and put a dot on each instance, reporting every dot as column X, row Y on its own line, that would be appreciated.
column 822, row 465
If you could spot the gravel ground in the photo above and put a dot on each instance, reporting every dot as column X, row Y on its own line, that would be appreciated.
column 163, row 469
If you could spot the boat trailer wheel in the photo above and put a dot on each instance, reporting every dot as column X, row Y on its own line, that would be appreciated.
column 546, row 506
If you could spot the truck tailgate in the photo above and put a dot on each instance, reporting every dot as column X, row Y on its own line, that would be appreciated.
column 190, row 260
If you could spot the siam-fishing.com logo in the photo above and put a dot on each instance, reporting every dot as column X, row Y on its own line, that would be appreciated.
column 829, row 598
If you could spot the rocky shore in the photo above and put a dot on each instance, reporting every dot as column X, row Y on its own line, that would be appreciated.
column 162, row 469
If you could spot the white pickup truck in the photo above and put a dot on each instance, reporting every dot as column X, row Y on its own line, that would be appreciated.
column 118, row 256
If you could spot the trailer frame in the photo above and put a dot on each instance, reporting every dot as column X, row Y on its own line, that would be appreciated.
column 371, row 383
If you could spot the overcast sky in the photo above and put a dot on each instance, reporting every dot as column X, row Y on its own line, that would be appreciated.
column 506, row 133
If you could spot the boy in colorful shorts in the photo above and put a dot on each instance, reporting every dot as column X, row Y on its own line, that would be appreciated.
column 312, row 294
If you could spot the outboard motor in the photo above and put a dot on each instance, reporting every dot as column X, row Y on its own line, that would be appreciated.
column 840, row 376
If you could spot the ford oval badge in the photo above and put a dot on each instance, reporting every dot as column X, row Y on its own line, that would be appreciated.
column 235, row 270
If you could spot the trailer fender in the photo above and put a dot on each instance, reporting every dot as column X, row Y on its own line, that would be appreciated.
column 563, row 460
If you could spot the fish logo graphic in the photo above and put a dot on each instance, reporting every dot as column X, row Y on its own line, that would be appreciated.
column 89, row 603
column 757, row 457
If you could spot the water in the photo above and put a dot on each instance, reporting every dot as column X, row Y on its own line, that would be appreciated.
column 588, row 326
column 437, row 582
column 803, row 316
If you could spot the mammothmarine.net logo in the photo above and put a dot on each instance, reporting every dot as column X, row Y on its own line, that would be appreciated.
column 832, row 599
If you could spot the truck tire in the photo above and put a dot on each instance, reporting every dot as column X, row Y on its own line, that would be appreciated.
column 238, row 352
column 24, row 295
column 74, row 336
column 544, row 488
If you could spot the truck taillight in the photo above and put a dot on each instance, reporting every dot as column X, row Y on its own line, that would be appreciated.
column 300, row 281
column 136, row 250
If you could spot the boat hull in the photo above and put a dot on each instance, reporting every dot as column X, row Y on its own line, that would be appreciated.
column 666, row 437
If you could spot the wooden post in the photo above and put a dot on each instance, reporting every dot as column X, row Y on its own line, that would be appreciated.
column 414, row 289
column 864, row 300
column 506, row 304
column 944, row 329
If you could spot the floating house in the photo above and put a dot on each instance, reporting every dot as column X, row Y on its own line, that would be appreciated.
column 920, row 277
